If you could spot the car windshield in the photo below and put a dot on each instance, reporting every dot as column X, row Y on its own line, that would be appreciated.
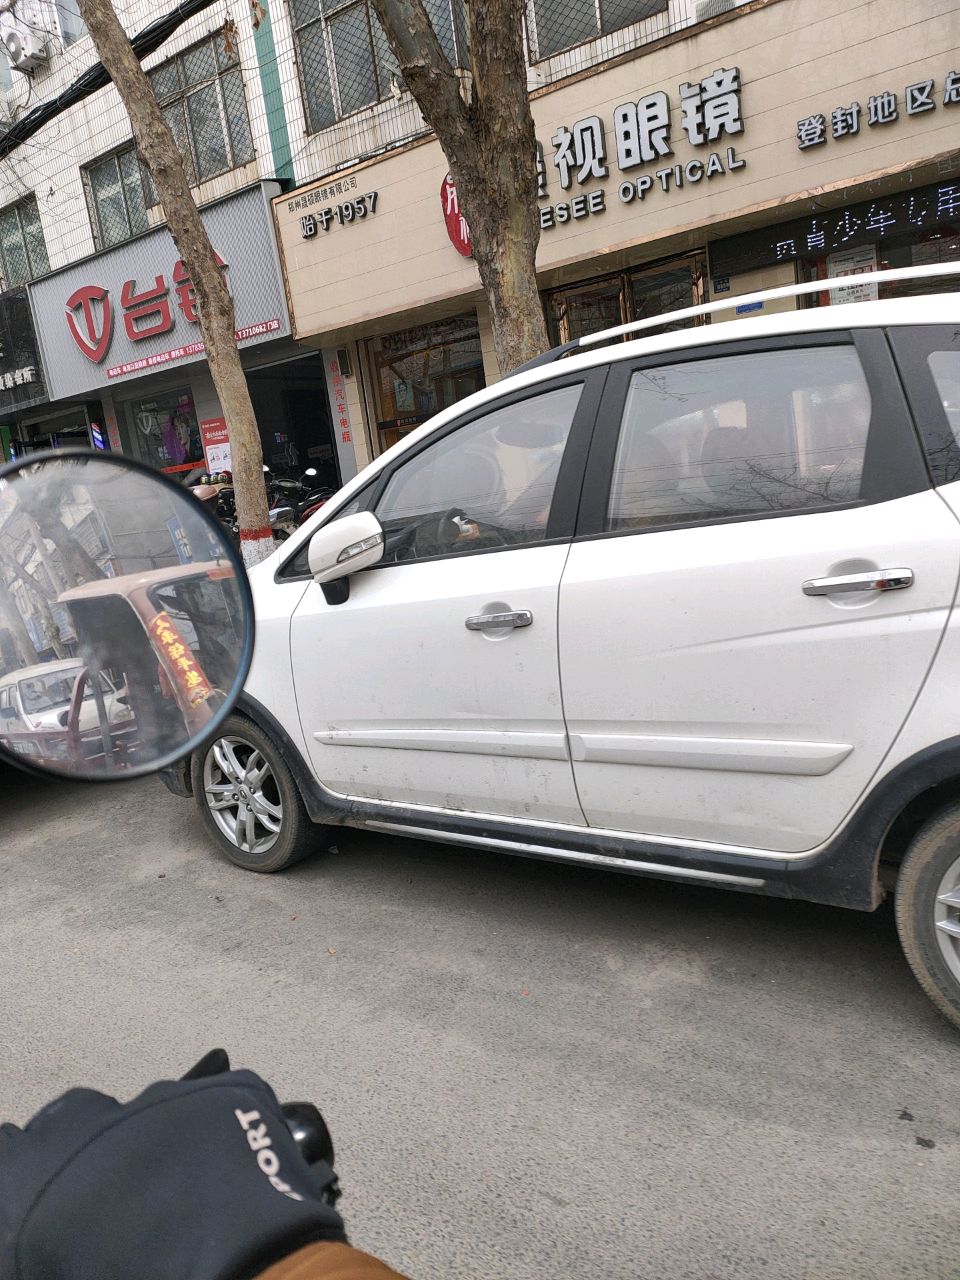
column 44, row 692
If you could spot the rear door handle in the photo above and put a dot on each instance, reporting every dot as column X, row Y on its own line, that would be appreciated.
column 517, row 618
column 876, row 580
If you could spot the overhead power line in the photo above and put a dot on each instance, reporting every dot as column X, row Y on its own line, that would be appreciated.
column 96, row 77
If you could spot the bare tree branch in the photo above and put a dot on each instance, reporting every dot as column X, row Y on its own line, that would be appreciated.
column 490, row 146
column 428, row 73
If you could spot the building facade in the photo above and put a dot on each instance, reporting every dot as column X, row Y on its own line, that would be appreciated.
column 783, row 140
column 108, row 352
column 688, row 150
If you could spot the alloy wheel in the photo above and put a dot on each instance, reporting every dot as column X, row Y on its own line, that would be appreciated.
column 946, row 917
column 242, row 794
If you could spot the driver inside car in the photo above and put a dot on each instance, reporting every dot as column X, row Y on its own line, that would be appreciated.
column 527, row 464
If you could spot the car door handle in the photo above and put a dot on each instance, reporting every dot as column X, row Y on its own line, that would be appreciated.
column 517, row 618
column 876, row 580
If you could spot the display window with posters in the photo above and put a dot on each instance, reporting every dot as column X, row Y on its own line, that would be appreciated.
column 421, row 370
column 163, row 431
column 645, row 292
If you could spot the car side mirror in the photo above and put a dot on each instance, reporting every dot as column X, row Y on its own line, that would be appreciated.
column 8, row 713
column 344, row 547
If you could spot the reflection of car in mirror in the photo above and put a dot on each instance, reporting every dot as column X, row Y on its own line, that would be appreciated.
column 39, row 698
column 124, row 625
column 173, row 635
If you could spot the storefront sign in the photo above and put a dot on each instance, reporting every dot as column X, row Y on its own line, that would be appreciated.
column 340, row 415
column 216, row 444
column 180, row 540
column 19, row 377
column 657, row 149
column 642, row 138
column 338, row 395
column 881, row 109
column 346, row 213
column 457, row 228
column 21, row 380
column 191, row 349
column 871, row 222
column 133, row 308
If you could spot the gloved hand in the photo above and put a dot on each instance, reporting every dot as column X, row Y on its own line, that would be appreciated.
column 196, row 1179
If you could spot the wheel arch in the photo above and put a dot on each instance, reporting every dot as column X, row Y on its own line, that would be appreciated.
column 320, row 804
column 860, row 864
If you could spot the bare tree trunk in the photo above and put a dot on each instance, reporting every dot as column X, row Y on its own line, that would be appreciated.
column 57, row 580
column 156, row 145
column 42, row 520
column 40, row 599
column 12, row 620
column 490, row 146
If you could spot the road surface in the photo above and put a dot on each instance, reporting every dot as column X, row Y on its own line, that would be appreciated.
column 531, row 1072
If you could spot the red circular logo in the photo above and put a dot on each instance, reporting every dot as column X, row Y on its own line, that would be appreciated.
column 457, row 228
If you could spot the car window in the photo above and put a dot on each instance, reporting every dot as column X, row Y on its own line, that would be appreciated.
column 489, row 483
column 44, row 692
column 205, row 613
column 929, row 360
column 737, row 435
column 945, row 368
column 928, row 357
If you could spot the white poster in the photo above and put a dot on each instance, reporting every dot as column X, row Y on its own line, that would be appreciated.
column 853, row 262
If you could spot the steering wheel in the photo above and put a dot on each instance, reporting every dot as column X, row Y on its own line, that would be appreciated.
column 444, row 534
column 439, row 536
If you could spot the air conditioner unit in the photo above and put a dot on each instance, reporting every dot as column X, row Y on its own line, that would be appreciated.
column 26, row 49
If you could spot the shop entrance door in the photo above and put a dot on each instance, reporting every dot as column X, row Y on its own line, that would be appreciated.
column 293, row 413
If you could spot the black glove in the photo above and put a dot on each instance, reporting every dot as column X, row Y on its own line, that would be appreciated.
column 196, row 1179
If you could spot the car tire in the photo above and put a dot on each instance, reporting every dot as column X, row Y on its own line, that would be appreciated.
column 249, row 801
column 928, row 910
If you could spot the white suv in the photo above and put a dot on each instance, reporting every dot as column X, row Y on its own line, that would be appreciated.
column 682, row 606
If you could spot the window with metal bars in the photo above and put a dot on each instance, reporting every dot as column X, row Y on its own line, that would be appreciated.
column 203, row 100
column 344, row 59
column 559, row 24
column 119, row 193
column 72, row 26
column 23, row 251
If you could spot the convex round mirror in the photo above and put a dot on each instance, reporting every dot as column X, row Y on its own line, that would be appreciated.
column 126, row 623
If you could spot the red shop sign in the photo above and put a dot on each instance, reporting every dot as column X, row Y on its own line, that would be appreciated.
column 457, row 228
column 147, row 312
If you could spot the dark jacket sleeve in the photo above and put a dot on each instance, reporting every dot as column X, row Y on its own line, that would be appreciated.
column 329, row 1261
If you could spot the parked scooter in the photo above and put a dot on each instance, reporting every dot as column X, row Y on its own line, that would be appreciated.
column 291, row 502
column 215, row 493
column 302, row 497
